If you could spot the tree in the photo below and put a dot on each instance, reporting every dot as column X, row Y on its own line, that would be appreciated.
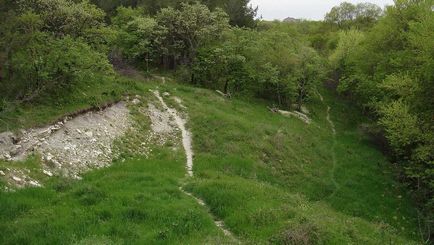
column 221, row 68
column 189, row 28
column 342, row 14
column 309, row 72
column 399, row 87
column 343, row 59
column 390, row 71
column 65, row 17
column 347, row 43
column 46, row 64
column 50, row 46
column 401, row 127
column 421, row 40
column 136, row 34
column 241, row 14
column 367, row 14
column 347, row 15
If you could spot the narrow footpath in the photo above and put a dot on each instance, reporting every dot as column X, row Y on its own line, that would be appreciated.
column 333, row 148
column 187, row 144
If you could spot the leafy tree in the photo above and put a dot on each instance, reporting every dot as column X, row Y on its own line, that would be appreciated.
column 187, row 29
column 137, row 34
column 110, row 6
column 343, row 56
column 221, row 68
column 18, row 31
column 50, row 46
column 347, row 15
column 342, row 14
column 400, row 86
column 401, row 127
column 65, row 17
column 309, row 71
column 421, row 41
column 285, row 73
column 367, row 14
column 46, row 64
column 390, row 71
column 241, row 14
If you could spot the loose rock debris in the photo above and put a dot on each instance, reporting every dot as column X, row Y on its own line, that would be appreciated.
column 69, row 147
column 75, row 145
column 303, row 117
column 19, row 178
column 296, row 114
column 180, row 123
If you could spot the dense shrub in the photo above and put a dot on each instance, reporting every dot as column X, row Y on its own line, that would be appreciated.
column 49, row 46
column 389, row 69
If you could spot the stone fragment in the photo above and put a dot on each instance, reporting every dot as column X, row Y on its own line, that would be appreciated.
column 49, row 157
column 17, row 179
column 34, row 183
column 89, row 134
column 135, row 101
column 48, row 173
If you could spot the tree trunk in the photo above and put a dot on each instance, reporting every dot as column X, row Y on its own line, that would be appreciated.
column 279, row 97
column 147, row 63
column 301, row 91
column 9, row 66
column 192, row 78
column 226, row 88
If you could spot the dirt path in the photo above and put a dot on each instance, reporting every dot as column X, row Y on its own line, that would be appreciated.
column 187, row 144
column 333, row 148
column 186, row 135
column 320, row 96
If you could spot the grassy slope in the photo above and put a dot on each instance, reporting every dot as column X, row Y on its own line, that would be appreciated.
column 48, row 110
column 268, row 177
column 133, row 201
column 129, row 203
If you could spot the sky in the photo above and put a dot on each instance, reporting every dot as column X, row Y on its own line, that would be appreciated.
column 302, row 9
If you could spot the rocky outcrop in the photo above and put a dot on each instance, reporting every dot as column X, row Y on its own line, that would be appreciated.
column 71, row 146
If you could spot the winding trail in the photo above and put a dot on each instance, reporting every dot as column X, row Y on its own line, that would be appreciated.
column 187, row 144
column 186, row 135
column 333, row 178
column 333, row 148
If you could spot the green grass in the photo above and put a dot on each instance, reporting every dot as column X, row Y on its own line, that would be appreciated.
column 47, row 109
column 253, row 165
column 270, row 178
column 131, row 202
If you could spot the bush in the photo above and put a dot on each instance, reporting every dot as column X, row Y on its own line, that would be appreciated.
column 49, row 65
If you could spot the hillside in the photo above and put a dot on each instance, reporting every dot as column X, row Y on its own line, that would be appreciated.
column 265, row 177
column 290, row 19
column 197, row 122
